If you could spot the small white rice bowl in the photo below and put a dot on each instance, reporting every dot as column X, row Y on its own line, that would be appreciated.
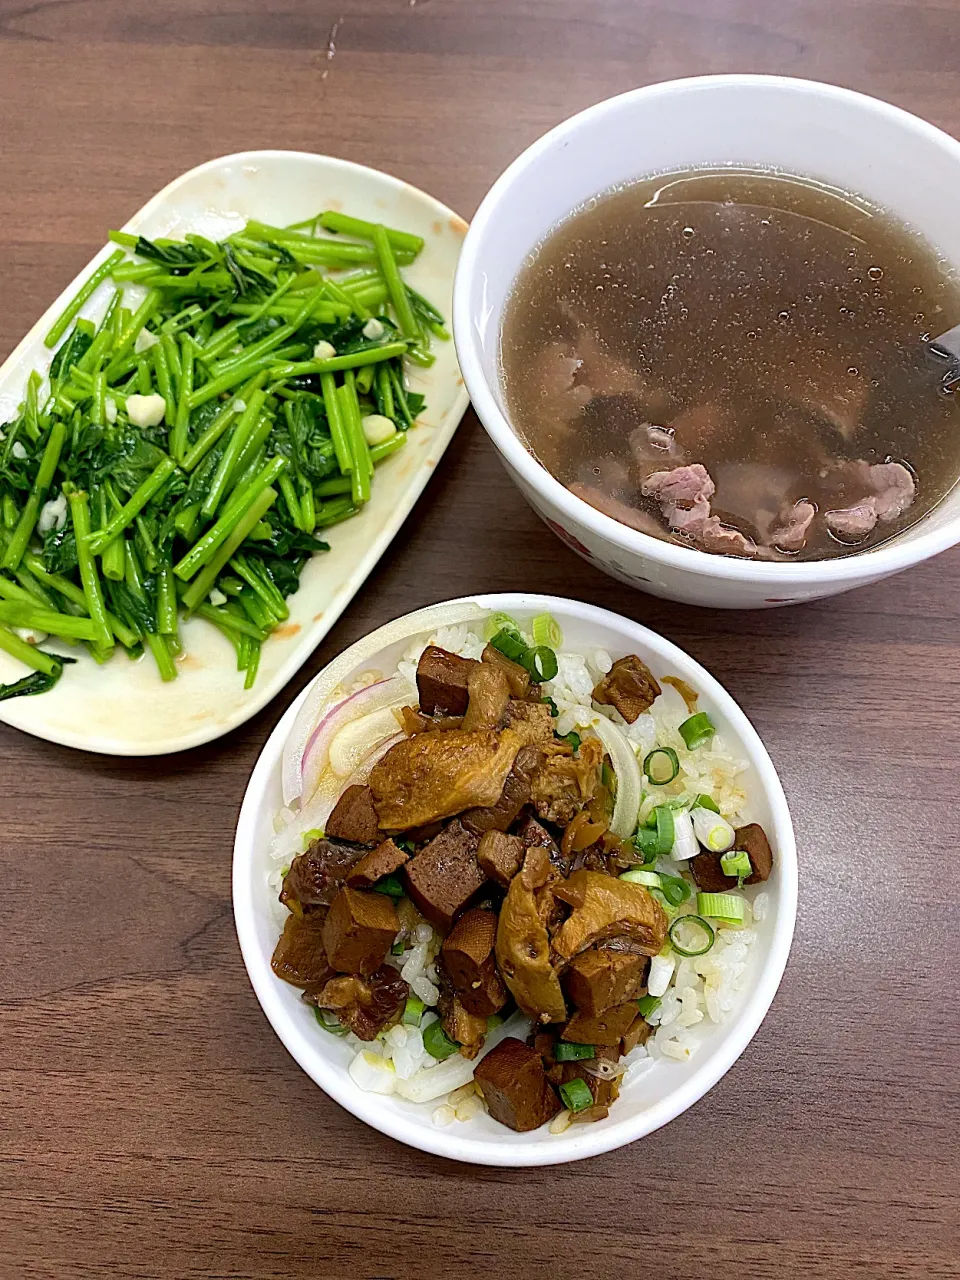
column 712, row 1004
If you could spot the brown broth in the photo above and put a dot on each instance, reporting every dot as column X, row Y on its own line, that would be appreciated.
column 775, row 326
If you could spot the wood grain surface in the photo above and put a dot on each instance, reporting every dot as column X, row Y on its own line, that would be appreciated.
column 152, row 1125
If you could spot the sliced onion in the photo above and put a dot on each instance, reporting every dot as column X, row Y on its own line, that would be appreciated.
column 359, row 705
column 353, row 659
column 358, row 737
column 629, row 781
column 365, row 767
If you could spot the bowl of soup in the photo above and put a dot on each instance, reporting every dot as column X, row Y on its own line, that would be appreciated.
column 697, row 321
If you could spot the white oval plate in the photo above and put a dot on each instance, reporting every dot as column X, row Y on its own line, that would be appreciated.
column 649, row 1099
column 123, row 708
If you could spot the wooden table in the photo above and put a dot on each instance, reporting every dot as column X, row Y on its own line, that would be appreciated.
column 152, row 1124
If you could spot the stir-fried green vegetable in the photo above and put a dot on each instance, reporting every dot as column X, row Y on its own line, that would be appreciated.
column 188, row 450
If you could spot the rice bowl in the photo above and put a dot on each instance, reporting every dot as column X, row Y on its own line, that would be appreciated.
column 709, row 1006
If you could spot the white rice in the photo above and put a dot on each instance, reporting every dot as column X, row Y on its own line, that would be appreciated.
column 703, row 991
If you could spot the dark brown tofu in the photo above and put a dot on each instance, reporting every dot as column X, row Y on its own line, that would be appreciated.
column 515, row 794
column 471, row 966
column 299, row 956
column 366, row 1005
column 604, row 1092
column 598, row 979
column 629, row 686
column 518, row 677
column 316, row 876
column 444, row 875
column 442, row 682
column 358, row 931
column 373, row 866
column 753, row 839
column 354, row 818
column 499, row 856
column 639, row 1032
column 607, row 1028
column 709, row 875
column 515, row 1087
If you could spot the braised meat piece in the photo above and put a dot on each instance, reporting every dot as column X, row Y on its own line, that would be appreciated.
column 534, row 835
column 518, row 678
column 564, row 783
column 359, row 929
column 315, row 877
column 606, row 907
column 354, row 817
column 415, row 721
column 532, row 721
column 499, row 856
column 373, row 866
column 598, row 979
column 467, row 955
column 436, row 775
column 515, row 1088
column 366, row 1005
column 753, row 840
column 468, row 1029
column 442, row 682
column 515, row 794
column 444, row 875
column 299, row 957
column 523, row 943
column 629, row 686
column 488, row 694
column 708, row 871
column 607, row 1028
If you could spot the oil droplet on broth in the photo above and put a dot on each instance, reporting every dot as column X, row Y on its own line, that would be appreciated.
column 875, row 273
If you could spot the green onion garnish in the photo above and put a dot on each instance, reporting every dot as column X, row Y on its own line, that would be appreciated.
column 330, row 1022
column 554, row 709
column 398, row 949
column 413, row 1011
column 573, row 738
column 495, row 1020
column 542, row 663
column 651, row 879
column 736, row 863
column 647, row 1004
column 437, row 1043
column 576, row 1094
column 697, row 730
column 665, row 829
column 675, row 889
column 646, row 843
column 661, row 766
column 499, row 622
column 701, row 926
column 568, row 1051
column 389, row 885
column 721, row 906
column 705, row 802
column 510, row 644
column 309, row 836
column 546, row 630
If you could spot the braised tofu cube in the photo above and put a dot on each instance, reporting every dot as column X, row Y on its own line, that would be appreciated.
column 442, row 682
column 471, row 966
column 358, row 931
column 354, row 818
column 499, row 856
column 515, row 1087
column 443, row 877
column 598, row 979
column 373, row 866
column 607, row 1028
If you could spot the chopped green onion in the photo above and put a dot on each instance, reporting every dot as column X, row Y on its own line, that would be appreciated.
column 315, row 833
column 437, row 1043
column 510, row 644
column 721, row 906
column 736, row 863
column 646, row 842
column 661, row 766
column 542, row 663
column 576, row 1094
column 675, row 889
column 714, row 832
column 413, row 1011
column 495, row 1020
column 330, row 1022
column 697, row 730
column 569, row 1051
column 573, row 738
column 665, row 828
column 546, row 631
column 647, row 1005
column 398, row 949
column 500, row 622
column 651, row 879
column 705, row 802
column 700, row 926
column 390, row 885
column 554, row 709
